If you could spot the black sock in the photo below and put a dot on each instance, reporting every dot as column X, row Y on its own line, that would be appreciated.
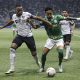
column 43, row 60
column 60, row 56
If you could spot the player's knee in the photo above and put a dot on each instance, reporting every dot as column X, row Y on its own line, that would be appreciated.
column 14, row 46
column 67, row 43
column 34, row 53
column 45, row 51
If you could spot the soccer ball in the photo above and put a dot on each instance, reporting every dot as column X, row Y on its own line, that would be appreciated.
column 51, row 72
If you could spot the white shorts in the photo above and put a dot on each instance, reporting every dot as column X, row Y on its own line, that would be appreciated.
column 50, row 43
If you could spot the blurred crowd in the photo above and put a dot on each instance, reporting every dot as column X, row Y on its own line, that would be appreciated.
column 7, row 7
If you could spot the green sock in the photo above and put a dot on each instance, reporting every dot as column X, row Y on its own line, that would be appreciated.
column 60, row 51
column 43, row 60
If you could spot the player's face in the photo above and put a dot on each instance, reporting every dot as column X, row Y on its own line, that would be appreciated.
column 65, row 13
column 49, row 14
column 19, row 11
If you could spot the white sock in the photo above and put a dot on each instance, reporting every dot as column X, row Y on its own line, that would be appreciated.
column 37, row 61
column 67, row 50
column 12, row 58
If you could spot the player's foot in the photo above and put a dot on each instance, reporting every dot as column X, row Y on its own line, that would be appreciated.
column 65, row 58
column 41, row 70
column 60, row 69
column 10, row 71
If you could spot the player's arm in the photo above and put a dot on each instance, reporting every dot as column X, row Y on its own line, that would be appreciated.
column 43, row 20
column 73, row 18
column 60, row 17
column 10, row 22
column 30, row 21
column 70, row 18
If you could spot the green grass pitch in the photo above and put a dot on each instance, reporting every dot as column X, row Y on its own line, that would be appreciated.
column 26, row 68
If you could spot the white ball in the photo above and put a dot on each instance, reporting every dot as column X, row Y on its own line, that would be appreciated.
column 50, row 72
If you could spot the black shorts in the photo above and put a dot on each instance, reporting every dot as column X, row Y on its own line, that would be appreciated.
column 67, row 38
column 30, row 42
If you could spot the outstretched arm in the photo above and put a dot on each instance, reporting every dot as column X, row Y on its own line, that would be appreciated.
column 43, row 20
column 60, row 17
column 31, row 22
column 70, row 18
column 10, row 22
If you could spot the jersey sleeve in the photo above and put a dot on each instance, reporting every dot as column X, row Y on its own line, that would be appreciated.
column 60, row 17
column 13, row 17
column 29, row 15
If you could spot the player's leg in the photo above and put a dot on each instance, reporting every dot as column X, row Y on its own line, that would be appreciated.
column 30, row 42
column 67, row 50
column 43, row 58
column 67, row 45
column 15, row 44
column 49, row 44
column 71, row 51
column 60, row 46
column 12, row 58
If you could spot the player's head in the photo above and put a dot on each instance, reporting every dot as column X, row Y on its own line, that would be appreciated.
column 19, row 10
column 49, row 12
column 65, row 13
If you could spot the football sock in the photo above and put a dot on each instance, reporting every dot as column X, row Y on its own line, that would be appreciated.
column 12, row 57
column 37, row 60
column 43, row 60
column 60, row 51
column 67, row 50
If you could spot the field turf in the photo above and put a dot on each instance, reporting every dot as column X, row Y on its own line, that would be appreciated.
column 26, row 68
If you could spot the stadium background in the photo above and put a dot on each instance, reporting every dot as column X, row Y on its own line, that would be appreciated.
column 26, row 69
column 7, row 7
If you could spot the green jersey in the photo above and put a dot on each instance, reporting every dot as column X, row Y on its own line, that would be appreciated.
column 55, row 31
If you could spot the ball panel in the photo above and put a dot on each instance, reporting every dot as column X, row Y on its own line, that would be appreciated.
column 51, row 72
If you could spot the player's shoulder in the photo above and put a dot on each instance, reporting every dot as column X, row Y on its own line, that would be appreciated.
column 26, row 13
column 14, row 15
column 59, row 17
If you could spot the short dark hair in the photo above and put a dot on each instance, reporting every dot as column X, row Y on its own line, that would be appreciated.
column 48, row 8
column 18, row 5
